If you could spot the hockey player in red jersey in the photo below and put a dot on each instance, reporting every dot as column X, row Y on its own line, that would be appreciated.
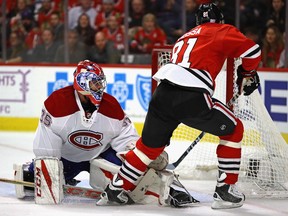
column 184, row 95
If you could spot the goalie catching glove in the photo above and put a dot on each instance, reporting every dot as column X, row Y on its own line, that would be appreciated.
column 247, row 81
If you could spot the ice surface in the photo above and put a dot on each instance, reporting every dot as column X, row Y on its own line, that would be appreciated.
column 16, row 147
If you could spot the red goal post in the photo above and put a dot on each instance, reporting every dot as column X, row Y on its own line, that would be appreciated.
column 156, row 64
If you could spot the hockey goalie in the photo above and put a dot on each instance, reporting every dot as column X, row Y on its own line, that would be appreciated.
column 82, row 128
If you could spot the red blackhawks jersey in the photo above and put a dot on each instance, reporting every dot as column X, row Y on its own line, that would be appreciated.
column 64, row 131
column 199, row 55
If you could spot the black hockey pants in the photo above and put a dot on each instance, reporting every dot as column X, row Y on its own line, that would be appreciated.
column 171, row 105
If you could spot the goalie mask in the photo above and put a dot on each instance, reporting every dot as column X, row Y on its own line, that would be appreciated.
column 89, row 80
column 209, row 13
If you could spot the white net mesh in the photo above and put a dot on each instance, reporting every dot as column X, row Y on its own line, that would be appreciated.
column 264, row 165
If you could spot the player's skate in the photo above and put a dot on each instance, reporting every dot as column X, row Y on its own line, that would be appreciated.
column 226, row 196
column 115, row 194
column 22, row 174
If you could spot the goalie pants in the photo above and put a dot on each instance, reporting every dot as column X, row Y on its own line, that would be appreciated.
column 72, row 169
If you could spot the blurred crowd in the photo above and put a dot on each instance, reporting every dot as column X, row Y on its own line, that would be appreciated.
column 97, row 29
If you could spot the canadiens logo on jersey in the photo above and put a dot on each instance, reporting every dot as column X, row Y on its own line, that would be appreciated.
column 85, row 140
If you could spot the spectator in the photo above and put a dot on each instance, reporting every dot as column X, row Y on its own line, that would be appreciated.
column 228, row 8
column 272, row 47
column 45, row 52
column 10, row 5
column 17, row 50
column 169, row 16
column 277, row 15
column 119, row 6
column 23, row 22
column 75, row 12
column 32, row 39
column 85, row 31
column 114, row 32
column 253, row 13
column 147, row 36
column 253, row 33
column 44, row 13
column 151, row 6
column 76, row 49
column 103, row 50
column 75, row 3
column 107, row 9
column 136, row 13
column 174, row 29
column 191, row 8
column 57, row 26
column 18, row 9
column 283, row 58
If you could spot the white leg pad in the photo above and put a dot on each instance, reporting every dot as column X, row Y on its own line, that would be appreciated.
column 138, row 194
column 100, row 171
column 154, row 185
column 167, row 177
column 49, row 180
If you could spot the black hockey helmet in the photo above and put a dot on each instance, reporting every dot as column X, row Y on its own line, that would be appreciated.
column 209, row 12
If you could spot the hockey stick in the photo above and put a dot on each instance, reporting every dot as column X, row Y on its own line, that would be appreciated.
column 172, row 166
column 68, row 189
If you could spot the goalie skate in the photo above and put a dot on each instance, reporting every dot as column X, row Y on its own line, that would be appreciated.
column 21, row 173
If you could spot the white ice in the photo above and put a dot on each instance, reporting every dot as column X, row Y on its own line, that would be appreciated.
column 16, row 147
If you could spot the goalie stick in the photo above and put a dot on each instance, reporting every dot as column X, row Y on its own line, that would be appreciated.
column 68, row 189
column 172, row 166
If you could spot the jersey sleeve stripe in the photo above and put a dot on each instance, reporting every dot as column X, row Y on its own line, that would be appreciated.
column 252, row 52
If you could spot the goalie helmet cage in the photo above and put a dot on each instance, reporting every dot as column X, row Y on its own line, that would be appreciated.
column 264, row 165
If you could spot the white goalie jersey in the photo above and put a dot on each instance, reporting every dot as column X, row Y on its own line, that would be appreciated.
column 64, row 131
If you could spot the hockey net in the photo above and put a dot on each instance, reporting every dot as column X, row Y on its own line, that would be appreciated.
column 264, row 165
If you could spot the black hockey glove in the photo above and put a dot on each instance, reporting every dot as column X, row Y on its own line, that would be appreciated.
column 247, row 81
